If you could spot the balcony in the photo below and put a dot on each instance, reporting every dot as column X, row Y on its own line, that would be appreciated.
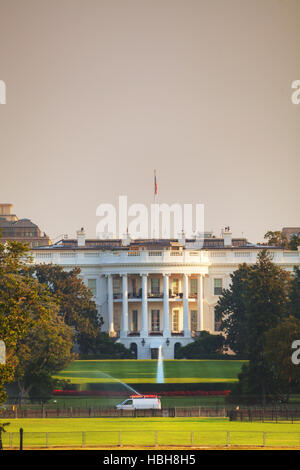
column 155, row 295
column 155, row 333
column 175, row 295
column 133, row 333
column 192, row 296
column 134, row 295
column 177, row 333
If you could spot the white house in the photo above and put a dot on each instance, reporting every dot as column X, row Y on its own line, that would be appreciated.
column 158, row 292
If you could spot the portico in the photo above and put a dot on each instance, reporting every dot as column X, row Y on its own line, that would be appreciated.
column 168, row 306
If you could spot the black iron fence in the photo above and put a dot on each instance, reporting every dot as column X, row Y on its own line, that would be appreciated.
column 244, row 414
column 264, row 414
column 92, row 412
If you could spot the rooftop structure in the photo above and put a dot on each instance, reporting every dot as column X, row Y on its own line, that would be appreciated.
column 21, row 230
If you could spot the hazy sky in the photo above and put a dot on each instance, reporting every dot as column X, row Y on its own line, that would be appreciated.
column 99, row 93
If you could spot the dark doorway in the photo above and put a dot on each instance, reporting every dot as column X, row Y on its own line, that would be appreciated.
column 133, row 349
column 154, row 353
column 177, row 346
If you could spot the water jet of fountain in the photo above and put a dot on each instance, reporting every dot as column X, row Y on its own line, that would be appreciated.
column 122, row 383
column 160, row 367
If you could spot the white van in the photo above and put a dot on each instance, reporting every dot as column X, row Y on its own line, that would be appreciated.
column 140, row 402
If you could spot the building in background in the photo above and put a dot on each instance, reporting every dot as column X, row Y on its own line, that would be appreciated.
column 290, row 231
column 21, row 230
column 158, row 292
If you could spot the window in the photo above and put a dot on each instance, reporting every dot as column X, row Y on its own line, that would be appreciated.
column 117, row 285
column 127, row 402
column 218, row 286
column 133, row 285
column 175, row 286
column 155, row 285
column 194, row 320
column 92, row 285
column 155, row 320
column 117, row 321
column 193, row 287
column 134, row 320
column 175, row 320
column 218, row 321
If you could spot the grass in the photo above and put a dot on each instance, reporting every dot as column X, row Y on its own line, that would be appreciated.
column 135, row 371
column 148, row 431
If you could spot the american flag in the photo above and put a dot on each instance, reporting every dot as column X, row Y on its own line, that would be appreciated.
column 155, row 183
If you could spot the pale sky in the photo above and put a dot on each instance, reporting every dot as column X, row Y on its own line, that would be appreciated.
column 99, row 93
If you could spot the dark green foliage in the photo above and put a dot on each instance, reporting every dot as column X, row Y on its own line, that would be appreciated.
column 77, row 307
column 256, row 302
column 294, row 306
column 207, row 346
column 102, row 346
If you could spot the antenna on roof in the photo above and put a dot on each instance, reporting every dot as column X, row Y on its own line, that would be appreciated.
column 155, row 202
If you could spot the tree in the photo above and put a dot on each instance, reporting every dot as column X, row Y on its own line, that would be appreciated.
column 18, row 296
column 207, row 345
column 256, row 302
column 276, row 238
column 44, row 350
column 37, row 340
column 278, row 352
column 294, row 299
column 105, row 347
column 77, row 307
column 232, row 309
column 294, row 242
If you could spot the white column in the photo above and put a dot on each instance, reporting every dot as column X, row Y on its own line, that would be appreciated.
column 166, row 331
column 200, row 303
column 186, row 328
column 124, row 329
column 144, row 330
column 111, row 329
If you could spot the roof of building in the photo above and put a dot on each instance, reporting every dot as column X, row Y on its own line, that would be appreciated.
column 16, row 223
column 153, row 244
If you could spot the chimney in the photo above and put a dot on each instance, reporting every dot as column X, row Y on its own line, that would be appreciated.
column 126, row 240
column 182, row 238
column 227, row 237
column 81, row 237
column 5, row 209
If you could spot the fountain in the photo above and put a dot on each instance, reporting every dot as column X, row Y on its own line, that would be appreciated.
column 132, row 390
column 160, row 379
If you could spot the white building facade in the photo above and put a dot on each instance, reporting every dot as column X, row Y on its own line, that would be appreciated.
column 153, row 293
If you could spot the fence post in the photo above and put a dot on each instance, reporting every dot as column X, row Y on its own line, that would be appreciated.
column 192, row 438
column 264, row 439
column 47, row 439
column 10, row 440
column 155, row 434
column 83, row 438
column 228, row 438
column 120, row 438
column 21, row 438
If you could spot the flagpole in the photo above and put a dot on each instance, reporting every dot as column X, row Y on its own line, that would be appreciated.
column 154, row 200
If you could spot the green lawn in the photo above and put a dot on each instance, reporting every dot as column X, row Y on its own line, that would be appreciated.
column 147, row 431
column 133, row 371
